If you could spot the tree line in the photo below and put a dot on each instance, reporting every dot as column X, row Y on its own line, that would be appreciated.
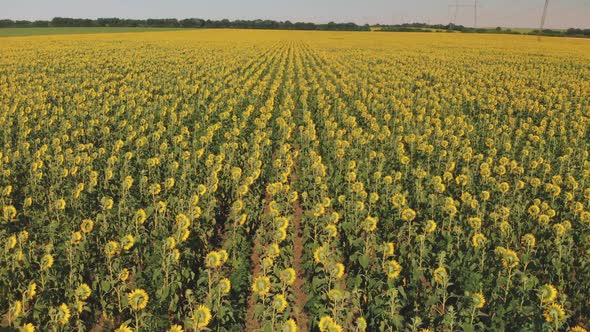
column 184, row 23
column 423, row 27
column 197, row 23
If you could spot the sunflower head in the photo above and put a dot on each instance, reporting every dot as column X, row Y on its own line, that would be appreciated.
column 63, row 314
column 288, row 276
column 441, row 276
column 478, row 240
column 83, row 292
column 547, row 293
column 175, row 328
column 478, row 300
column 261, row 285
column 225, row 286
column 138, row 299
column 408, row 214
column 213, row 260
column 201, row 316
column 289, row 326
column 392, row 269
column 46, row 262
column 554, row 313
column 279, row 303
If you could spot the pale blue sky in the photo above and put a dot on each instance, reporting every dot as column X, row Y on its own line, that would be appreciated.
column 514, row 13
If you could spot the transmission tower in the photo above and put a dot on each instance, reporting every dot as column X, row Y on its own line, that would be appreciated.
column 457, row 5
column 544, row 16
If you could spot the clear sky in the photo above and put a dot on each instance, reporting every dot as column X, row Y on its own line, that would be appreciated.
column 491, row 13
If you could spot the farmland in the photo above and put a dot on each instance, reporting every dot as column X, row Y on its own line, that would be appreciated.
column 294, row 181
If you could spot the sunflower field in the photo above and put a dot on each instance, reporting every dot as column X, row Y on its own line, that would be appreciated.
column 233, row 180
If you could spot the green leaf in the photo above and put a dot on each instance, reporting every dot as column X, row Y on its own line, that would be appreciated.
column 105, row 285
column 364, row 261
column 468, row 328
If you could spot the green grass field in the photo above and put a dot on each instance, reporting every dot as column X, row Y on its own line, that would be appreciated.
column 12, row 32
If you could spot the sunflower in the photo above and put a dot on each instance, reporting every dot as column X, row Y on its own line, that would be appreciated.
column 46, row 262
column 331, row 230
column 175, row 328
column 127, row 182
column 261, row 285
column 16, row 309
column 86, row 226
column 9, row 212
column 388, row 249
column 201, row 316
column 281, row 222
column 176, row 255
column 170, row 243
column 528, row 240
column 28, row 327
column 320, row 255
column 138, row 299
column 213, row 260
column 510, row 259
column 325, row 323
column 123, row 275
column 361, row 324
column 139, row 217
column 106, row 203
column 430, row 226
column 63, row 314
column 224, row 285
column 392, row 269
column 279, row 303
column 441, row 275
column 474, row 222
column 267, row 263
column 478, row 300
column 155, row 189
column 76, row 238
column 559, row 230
column 280, row 235
column 124, row 328
column 334, row 217
column 398, row 200
column 408, row 214
column 83, row 292
column 31, row 291
column 554, row 313
column 273, row 251
column 288, row 276
column 577, row 328
column 289, row 326
column 11, row 242
column 478, row 240
column 336, row 295
column 547, row 293
column 112, row 248
column 60, row 204
column 369, row 224
column 503, row 187
column 336, row 270
column 182, row 221
column 127, row 242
